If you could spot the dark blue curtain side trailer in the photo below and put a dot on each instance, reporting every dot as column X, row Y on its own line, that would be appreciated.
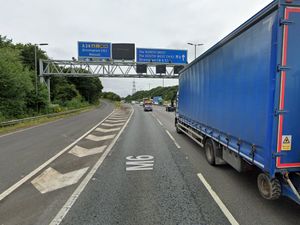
column 240, row 100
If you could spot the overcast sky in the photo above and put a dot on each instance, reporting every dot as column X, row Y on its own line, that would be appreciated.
column 149, row 24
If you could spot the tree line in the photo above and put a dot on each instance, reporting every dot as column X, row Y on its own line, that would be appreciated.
column 111, row 96
column 18, row 96
column 167, row 93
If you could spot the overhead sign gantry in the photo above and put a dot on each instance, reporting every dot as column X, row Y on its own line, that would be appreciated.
column 123, row 60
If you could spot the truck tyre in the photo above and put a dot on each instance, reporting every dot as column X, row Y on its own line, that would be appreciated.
column 210, row 152
column 269, row 189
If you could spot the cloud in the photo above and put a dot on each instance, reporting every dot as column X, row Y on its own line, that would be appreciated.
column 153, row 24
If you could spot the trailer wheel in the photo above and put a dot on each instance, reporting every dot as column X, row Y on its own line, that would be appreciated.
column 269, row 189
column 210, row 152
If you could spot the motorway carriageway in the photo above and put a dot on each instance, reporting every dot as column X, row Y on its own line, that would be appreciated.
column 124, row 166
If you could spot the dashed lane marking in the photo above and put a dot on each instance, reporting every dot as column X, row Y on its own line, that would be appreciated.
column 173, row 139
column 99, row 138
column 82, row 152
column 222, row 206
column 160, row 123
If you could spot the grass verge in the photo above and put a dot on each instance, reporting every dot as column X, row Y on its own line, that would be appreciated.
column 35, row 122
column 117, row 105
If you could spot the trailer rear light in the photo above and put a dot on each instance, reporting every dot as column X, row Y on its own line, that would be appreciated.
column 289, row 1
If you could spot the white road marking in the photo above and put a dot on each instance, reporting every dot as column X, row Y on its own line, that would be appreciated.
column 160, row 123
column 173, row 139
column 114, row 121
column 107, row 130
column 82, row 152
column 34, row 172
column 119, row 114
column 222, row 206
column 99, row 138
column 51, row 179
column 118, row 118
column 141, row 162
column 67, row 206
column 111, row 125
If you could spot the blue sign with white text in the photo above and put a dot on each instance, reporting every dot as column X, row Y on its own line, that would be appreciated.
column 166, row 56
column 94, row 50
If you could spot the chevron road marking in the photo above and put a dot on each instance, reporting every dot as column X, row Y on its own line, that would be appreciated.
column 99, row 138
column 118, row 117
column 82, row 152
column 124, row 115
column 12, row 188
column 112, row 125
column 107, row 130
column 67, row 206
column 114, row 121
column 51, row 179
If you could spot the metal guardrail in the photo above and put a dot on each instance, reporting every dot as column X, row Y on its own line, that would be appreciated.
column 13, row 122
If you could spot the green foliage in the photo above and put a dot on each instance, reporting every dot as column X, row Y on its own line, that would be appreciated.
column 111, row 96
column 167, row 93
column 62, row 91
column 15, row 84
column 76, row 103
column 18, row 96
column 5, row 42
column 27, row 55
column 89, row 88
column 37, row 102
column 54, row 108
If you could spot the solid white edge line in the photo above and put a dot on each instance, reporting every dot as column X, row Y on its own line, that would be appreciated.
column 173, row 139
column 219, row 202
column 34, row 172
column 67, row 206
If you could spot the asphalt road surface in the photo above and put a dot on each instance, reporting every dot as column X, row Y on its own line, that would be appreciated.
column 128, row 167
column 21, row 152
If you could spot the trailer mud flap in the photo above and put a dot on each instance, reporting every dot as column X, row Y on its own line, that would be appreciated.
column 288, row 136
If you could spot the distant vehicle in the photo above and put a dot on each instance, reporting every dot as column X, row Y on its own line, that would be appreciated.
column 170, row 108
column 141, row 103
column 240, row 100
column 157, row 100
column 132, row 102
column 147, row 101
column 148, row 107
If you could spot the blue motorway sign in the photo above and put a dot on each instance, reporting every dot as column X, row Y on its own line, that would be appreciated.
column 98, row 50
column 161, row 56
